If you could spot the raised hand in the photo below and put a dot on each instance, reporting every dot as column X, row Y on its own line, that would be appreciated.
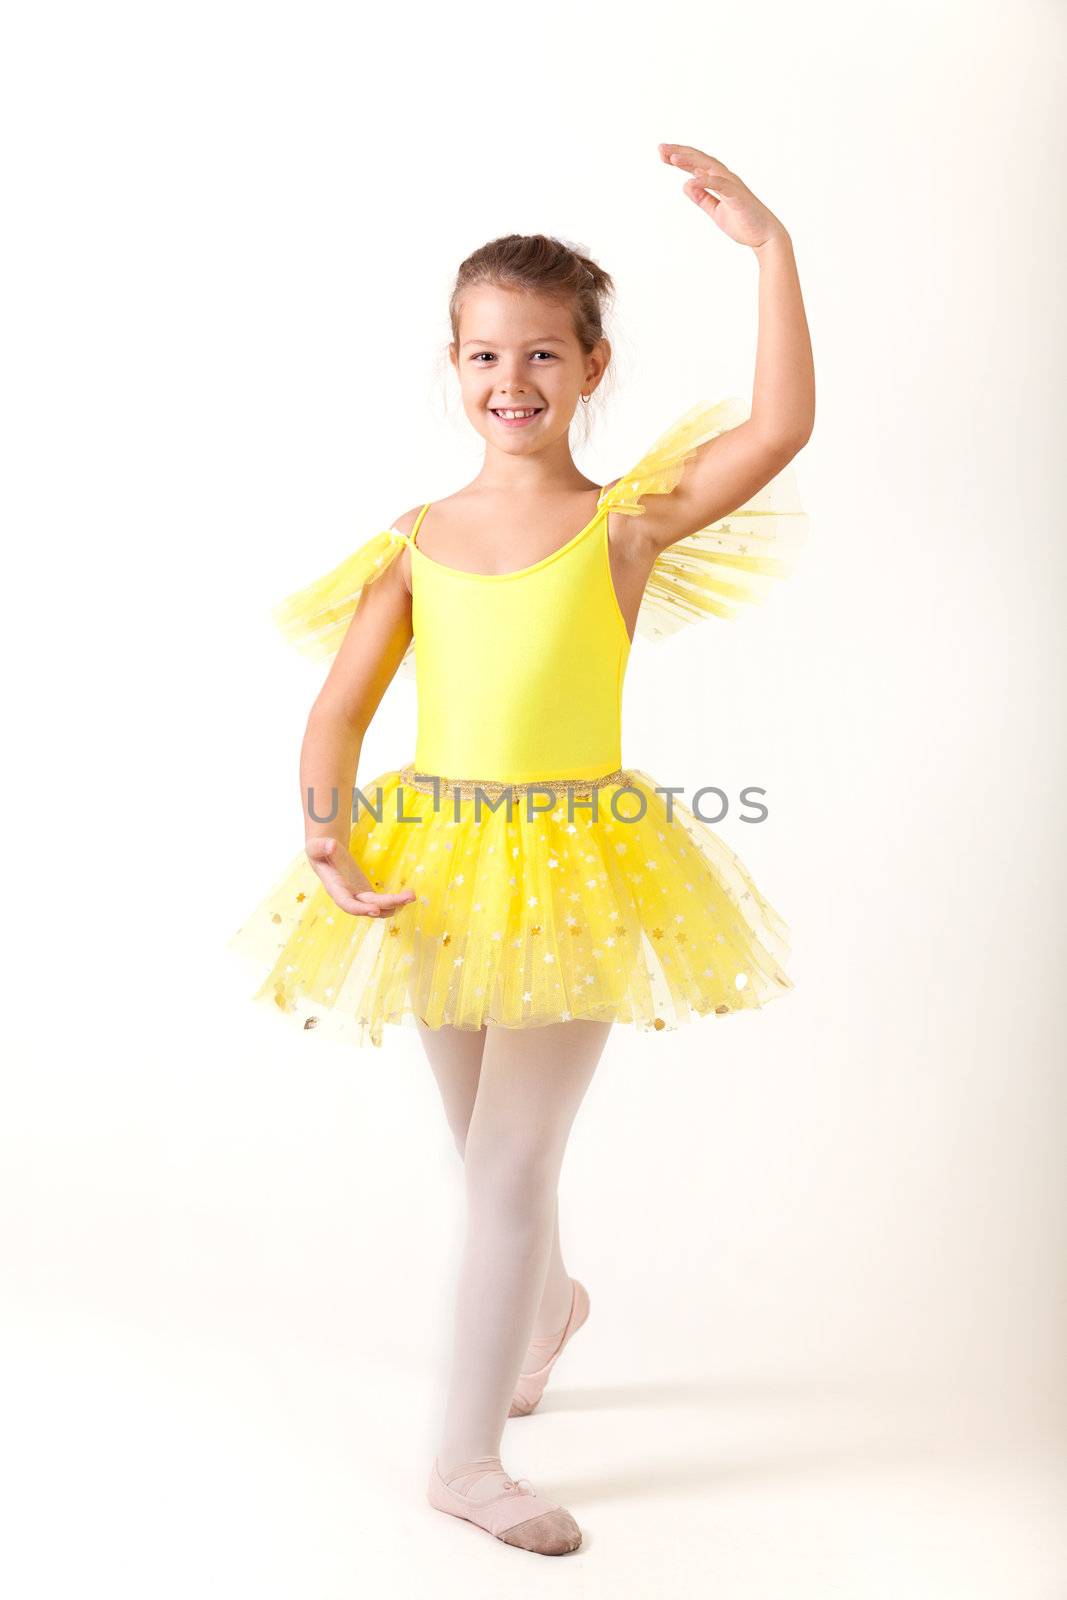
column 732, row 207
column 348, row 885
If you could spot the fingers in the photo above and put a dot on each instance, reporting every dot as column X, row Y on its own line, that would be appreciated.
column 346, row 896
column 692, row 160
column 700, row 197
column 334, row 865
column 698, row 186
column 724, row 182
column 390, row 901
column 368, row 902
column 356, row 908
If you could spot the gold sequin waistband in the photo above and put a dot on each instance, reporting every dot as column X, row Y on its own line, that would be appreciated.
column 434, row 783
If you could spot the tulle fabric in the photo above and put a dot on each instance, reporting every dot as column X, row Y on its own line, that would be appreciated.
column 715, row 572
column 726, row 565
column 521, row 922
column 315, row 619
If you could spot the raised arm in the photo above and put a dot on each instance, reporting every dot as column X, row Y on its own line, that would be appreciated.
column 728, row 470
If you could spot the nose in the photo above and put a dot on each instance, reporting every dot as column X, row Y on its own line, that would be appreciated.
column 511, row 386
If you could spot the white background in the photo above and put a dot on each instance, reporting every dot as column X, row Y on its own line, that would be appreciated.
column 824, row 1242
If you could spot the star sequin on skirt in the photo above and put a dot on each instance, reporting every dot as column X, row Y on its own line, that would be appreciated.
column 522, row 921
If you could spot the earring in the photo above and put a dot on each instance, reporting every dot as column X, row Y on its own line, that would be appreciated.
column 586, row 398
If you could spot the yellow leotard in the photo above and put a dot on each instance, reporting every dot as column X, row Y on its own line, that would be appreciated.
column 602, row 900
column 520, row 673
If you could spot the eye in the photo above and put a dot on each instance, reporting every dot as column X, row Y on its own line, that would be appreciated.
column 477, row 357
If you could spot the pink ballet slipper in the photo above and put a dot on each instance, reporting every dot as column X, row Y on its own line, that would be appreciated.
column 531, row 1385
column 518, row 1515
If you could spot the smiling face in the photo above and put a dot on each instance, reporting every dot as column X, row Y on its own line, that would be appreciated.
column 518, row 352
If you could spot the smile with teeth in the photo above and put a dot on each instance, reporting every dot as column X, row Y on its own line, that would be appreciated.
column 516, row 415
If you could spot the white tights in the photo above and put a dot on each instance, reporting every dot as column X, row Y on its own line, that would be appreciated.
column 510, row 1096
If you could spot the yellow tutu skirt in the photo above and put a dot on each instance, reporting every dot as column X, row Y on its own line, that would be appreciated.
column 631, row 913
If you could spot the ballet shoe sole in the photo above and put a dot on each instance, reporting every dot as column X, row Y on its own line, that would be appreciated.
column 520, row 1407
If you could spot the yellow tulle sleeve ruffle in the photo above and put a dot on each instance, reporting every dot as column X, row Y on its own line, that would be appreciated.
column 728, row 564
column 715, row 571
column 316, row 618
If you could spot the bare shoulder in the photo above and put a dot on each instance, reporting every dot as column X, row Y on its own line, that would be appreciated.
column 406, row 520
column 405, row 523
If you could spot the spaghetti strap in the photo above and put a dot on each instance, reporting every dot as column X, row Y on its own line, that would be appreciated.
column 418, row 522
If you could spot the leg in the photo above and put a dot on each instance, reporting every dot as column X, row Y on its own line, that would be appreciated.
column 455, row 1057
column 531, row 1084
column 554, row 1306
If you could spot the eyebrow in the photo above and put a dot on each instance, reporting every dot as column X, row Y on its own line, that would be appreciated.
column 550, row 340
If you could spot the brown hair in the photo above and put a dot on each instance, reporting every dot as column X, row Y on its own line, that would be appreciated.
column 540, row 264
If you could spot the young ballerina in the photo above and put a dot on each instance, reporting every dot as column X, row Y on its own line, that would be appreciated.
column 513, row 891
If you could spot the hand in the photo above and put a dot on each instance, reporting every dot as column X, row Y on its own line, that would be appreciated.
column 348, row 885
column 734, row 208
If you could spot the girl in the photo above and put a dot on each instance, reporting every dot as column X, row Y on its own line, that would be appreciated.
column 513, row 891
